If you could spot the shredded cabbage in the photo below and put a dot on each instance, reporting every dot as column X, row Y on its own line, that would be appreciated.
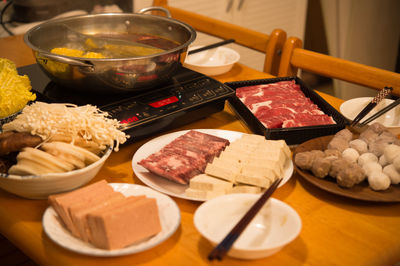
column 14, row 89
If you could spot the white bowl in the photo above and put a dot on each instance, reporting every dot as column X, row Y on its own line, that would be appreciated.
column 390, row 119
column 276, row 224
column 212, row 62
column 40, row 187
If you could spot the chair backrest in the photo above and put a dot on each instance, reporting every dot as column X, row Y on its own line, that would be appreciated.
column 294, row 58
column 271, row 44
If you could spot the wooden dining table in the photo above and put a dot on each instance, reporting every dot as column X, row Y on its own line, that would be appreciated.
column 335, row 230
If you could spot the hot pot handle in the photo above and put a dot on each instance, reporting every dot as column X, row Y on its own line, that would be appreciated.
column 63, row 59
column 158, row 8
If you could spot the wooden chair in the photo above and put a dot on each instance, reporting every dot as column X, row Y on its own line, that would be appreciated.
column 294, row 58
column 271, row 44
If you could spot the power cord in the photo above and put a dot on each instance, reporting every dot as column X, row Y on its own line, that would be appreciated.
column 2, row 15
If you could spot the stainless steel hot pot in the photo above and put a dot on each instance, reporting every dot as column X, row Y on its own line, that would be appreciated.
column 111, row 75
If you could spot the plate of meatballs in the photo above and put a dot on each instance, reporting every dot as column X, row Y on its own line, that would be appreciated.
column 363, row 166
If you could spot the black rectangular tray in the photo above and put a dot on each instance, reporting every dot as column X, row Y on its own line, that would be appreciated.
column 292, row 136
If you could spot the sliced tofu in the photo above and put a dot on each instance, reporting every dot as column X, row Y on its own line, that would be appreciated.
column 282, row 145
column 252, row 138
column 233, row 156
column 277, row 155
column 209, row 183
column 254, row 180
column 203, row 194
column 259, row 171
column 242, row 146
column 257, row 176
column 274, row 165
column 240, row 188
column 222, row 171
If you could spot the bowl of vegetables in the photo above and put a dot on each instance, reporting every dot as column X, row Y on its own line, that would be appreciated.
column 62, row 152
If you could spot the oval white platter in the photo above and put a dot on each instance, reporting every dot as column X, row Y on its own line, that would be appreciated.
column 169, row 217
column 169, row 187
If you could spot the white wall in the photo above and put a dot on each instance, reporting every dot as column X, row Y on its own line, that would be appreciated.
column 364, row 31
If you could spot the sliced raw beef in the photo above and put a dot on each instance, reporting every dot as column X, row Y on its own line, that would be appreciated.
column 282, row 105
column 185, row 157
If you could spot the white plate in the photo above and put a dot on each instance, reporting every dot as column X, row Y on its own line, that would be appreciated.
column 352, row 107
column 169, row 187
column 169, row 216
column 273, row 227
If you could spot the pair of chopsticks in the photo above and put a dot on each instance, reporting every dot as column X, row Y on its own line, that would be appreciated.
column 214, row 45
column 379, row 97
column 381, row 112
column 222, row 248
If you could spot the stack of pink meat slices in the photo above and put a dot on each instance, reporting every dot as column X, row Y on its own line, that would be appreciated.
column 185, row 157
column 282, row 105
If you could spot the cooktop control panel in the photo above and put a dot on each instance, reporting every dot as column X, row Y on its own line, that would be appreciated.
column 159, row 103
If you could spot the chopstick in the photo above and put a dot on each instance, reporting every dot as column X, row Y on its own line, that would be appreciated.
column 211, row 46
column 379, row 97
column 381, row 112
column 222, row 248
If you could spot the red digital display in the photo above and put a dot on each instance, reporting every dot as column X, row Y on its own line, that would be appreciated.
column 130, row 120
column 164, row 102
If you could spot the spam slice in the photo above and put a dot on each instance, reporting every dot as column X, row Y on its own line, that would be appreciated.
column 134, row 221
column 77, row 209
column 60, row 202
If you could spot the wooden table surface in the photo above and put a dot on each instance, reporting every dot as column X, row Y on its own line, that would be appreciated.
column 335, row 230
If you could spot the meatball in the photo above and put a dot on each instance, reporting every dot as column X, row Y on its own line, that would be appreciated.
column 396, row 162
column 388, row 136
column 369, row 136
column 351, row 155
column 304, row 160
column 383, row 161
column 391, row 151
column 317, row 153
column 366, row 158
column 359, row 145
column 335, row 153
column 378, row 180
column 371, row 167
column 338, row 165
column 377, row 127
column 392, row 173
column 345, row 134
column 351, row 175
column 378, row 146
column 338, row 143
column 321, row 166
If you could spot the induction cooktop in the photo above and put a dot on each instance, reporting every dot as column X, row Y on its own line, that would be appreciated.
column 188, row 96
